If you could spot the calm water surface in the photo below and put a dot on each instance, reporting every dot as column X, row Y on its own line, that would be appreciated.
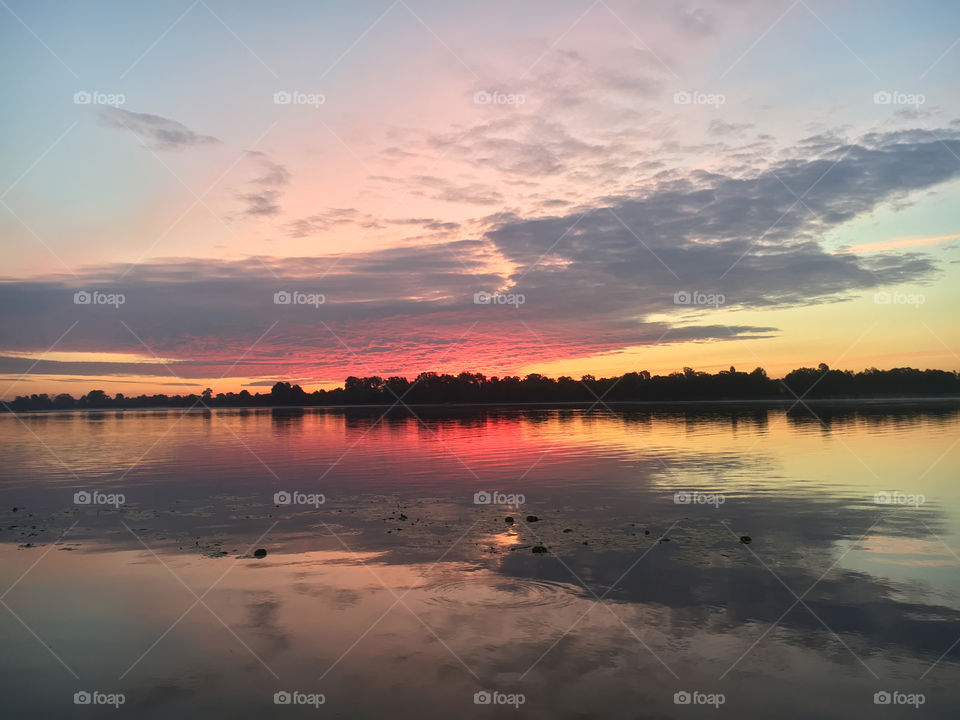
column 401, row 596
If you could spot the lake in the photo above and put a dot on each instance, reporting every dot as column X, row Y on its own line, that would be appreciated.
column 721, row 561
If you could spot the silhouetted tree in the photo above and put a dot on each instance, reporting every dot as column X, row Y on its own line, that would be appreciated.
column 466, row 387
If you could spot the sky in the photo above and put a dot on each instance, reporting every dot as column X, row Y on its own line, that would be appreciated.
column 226, row 194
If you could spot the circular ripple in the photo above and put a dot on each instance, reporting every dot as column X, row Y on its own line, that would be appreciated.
column 503, row 593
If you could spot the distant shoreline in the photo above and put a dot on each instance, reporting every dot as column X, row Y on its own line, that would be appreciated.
column 545, row 405
column 476, row 390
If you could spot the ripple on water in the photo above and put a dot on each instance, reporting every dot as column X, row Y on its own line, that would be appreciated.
column 500, row 593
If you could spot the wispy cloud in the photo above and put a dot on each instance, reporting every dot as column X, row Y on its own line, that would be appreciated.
column 157, row 132
column 902, row 242
column 263, row 199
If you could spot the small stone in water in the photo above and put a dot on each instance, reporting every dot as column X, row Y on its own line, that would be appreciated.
column 508, row 519
column 746, row 539
column 539, row 549
column 259, row 553
column 532, row 518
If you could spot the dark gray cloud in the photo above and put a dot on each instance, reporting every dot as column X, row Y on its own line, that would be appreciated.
column 157, row 132
column 596, row 279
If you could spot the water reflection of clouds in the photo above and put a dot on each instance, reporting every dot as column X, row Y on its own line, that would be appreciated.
column 699, row 601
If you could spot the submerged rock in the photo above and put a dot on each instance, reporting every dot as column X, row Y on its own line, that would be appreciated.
column 538, row 549
column 259, row 553
column 532, row 518
column 746, row 539
column 508, row 519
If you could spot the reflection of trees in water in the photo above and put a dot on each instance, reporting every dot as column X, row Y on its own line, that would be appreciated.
column 900, row 416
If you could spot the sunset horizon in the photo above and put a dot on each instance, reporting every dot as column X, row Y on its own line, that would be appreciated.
column 567, row 195
column 567, row 359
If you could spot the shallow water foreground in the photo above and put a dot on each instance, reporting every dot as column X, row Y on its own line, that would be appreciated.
column 702, row 563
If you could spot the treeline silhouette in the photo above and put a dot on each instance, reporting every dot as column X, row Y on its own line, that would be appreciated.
column 431, row 388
